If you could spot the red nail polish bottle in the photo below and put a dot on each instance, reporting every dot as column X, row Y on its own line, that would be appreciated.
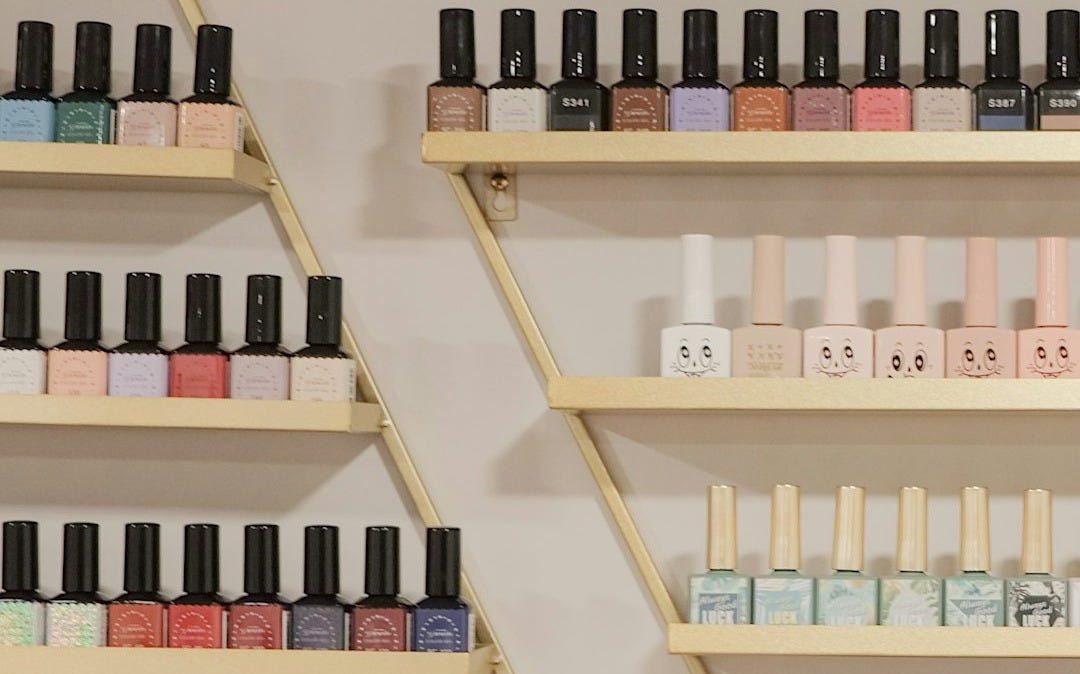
column 381, row 620
column 257, row 620
column 200, row 368
column 197, row 618
column 137, row 617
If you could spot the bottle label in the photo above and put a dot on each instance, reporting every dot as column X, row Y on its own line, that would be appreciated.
column 137, row 625
column 78, row 373
column 1037, row 603
column 974, row 602
column 22, row 623
column 517, row 109
column 1002, row 110
column 319, row 628
column 27, row 120
column 22, row 371
column 577, row 110
column 70, row 623
column 327, row 379
column 882, row 109
column 639, row 109
column 456, row 109
column 140, row 123
column 761, row 109
column 717, row 599
column 821, row 109
column 847, row 601
column 699, row 109
column 259, row 377
column 198, row 375
column 139, row 374
column 84, row 122
column 695, row 351
column 380, row 629
column 784, row 601
column 442, row 630
column 1059, row 110
column 941, row 109
column 911, row 601
column 194, row 626
column 258, row 626
column 217, row 125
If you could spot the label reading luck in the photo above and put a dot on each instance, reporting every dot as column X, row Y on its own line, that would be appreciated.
column 843, row 601
column 974, row 602
column 783, row 601
column 911, row 601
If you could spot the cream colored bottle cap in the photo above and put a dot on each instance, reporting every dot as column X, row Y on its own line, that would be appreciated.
column 785, row 547
column 981, row 296
column 840, row 277
column 697, row 280
column 722, row 553
column 909, row 306
column 975, row 529
column 847, row 553
column 1052, row 283
column 1037, row 555
column 767, row 294
column 911, row 530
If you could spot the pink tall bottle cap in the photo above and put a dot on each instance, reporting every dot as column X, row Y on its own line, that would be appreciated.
column 910, row 288
column 698, row 297
column 1052, row 283
column 768, row 287
column 840, row 302
column 980, row 301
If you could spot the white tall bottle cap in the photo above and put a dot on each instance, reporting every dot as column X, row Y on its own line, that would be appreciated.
column 840, row 292
column 697, row 297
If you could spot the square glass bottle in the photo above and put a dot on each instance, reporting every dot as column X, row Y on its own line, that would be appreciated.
column 981, row 350
column 28, row 112
column 319, row 618
column 766, row 347
column 79, row 366
column 517, row 102
column 443, row 622
column 882, row 102
column 760, row 102
column 1003, row 102
column 22, row 357
column 910, row 349
column 147, row 116
column 209, row 118
column 137, row 618
column 697, row 348
column 456, row 102
column 140, row 366
column 820, row 102
column 79, row 616
column 911, row 597
column 942, row 102
column 847, row 597
column 259, row 619
column 784, row 597
column 721, row 596
column 578, row 101
column 1037, row 599
column 974, row 598
column 260, row 370
column 88, row 114
column 699, row 102
column 197, row 617
column 639, row 102
column 840, row 349
column 1050, row 349
column 1059, row 95
column 381, row 620
column 22, row 609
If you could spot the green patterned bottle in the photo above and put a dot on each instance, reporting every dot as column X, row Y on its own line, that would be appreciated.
column 721, row 596
column 912, row 597
column 847, row 597
column 87, row 114
column 974, row 598
column 784, row 597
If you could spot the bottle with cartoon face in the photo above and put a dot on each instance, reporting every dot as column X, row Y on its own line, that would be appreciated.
column 909, row 349
column 1050, row 349
column 697, row 348
column 840, row 349
column 767, row 347
column 981, row 350
column 1037, row 599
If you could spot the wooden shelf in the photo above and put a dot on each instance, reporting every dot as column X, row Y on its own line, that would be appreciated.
column 801, row 152
column 877, row 641
column 663, row 394
column 130, row 167
column 195, row 413
column 42, row 660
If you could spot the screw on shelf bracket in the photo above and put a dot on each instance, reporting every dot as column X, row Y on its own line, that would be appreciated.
column 500, row 196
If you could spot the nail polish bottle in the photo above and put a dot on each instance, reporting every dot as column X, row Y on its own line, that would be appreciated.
column 1049, row 350
column 639, row 102
column 518, row 102
column 1003, row 102
column 578, row 102
column 847, row 597
column 22, row 609
column 79, row 366
column 974, row 598
column 981, row 350
column 79, row 616
column 766, row 347
column 140, row 366
column 912, row 597
column 942, row 102
column 322, row 371
column 200, row 368
column 721, row 596
column 148, row 115
column 784, row 597
column 1037, row 599
column 197, row 617
column 259, row 619
column 28, row 112
column 456, row 102
column 137, row 617
column 260, row 370
column 910, row 348
column 840, row 348
column 760, row 102
column 380, row 621
column 22, row 357
column 87, row 114
column 318, row 618
column 209, row 118
column 820, row 102
column 697, row 348
column 443, row 622
column 1059, row 95
column 882, row 102
column 700, row 102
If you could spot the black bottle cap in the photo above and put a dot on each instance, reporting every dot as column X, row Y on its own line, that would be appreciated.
column 821, row 45
column 1062, row 43
column 579, row 43
column 518, row 43
column 20, row 556
column 142, row 557
column 213, row 60
column 34, row 56
column 203, row 322
column 639, row 44
column 262, row 573
column 324, row 310
column 22, row 301
column 263, row 309
column 93, row 56
column 142, row 307
column 153, row 58
column 882, row 44
column 699, row 56
column 201, row 558
column 457, row 44
column 941, row 57
column 321, row 574
column 80, row 557
column 760, row 34
column 443, row 562
column 1003, row 44
column 382, row 572
column 83, row 312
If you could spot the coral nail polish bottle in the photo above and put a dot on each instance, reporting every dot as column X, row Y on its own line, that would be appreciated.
column 260, row 370
column 1003, row 102
column 1037, row 599
column 140, row 366
column 697, row 348
column 847, row 597
column 200, row 368
column 784, row 597
column 22, row 357
column 22, row 609
column 79, row 366
column 322, row 371
column 209, row 118
column 942, row 102
column 578, row 101
column 839, row 349
column 148, row 115
column 981, row 350
column 760, row 102
column 882, row 102
column 699, row 102
column 639, row 102
column 259, row 619
column 79, row 616
column 197, row 617
column 88, row 114
column 518, row 102
column 319, row 617
column 1059, row 95
column 137, row 617
column 443, row 622
column 28, row 112
column 911, row 598
column 381, row 620
column 766, row 347
column 456, row 102
column 721, row 596
column 974, row 598
column 909, row 349
column 820, row 102
column 1050, row 349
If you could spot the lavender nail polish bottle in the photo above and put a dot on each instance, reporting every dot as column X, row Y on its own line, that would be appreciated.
column 700, row 102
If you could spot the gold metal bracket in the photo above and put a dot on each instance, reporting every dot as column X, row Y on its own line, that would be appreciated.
column 500, row 195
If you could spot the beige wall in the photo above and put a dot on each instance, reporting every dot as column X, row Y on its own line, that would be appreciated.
column 337, row 89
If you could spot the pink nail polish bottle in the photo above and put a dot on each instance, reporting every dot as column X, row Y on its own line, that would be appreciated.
column 766, row 347
column 981, row 350
column 1049, row 350
column 840, row 348
column 882, row 102
column 910, row 349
